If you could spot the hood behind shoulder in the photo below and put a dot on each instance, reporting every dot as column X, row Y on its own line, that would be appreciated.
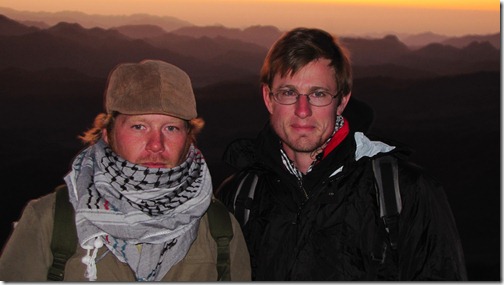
column 240, row 153
column 245, row 152
column 359, row 114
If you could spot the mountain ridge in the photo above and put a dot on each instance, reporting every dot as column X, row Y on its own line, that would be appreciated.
column 90, row 21
column 214, row 58
column 173, row 24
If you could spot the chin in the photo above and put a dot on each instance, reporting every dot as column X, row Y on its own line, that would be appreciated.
column 303, row 146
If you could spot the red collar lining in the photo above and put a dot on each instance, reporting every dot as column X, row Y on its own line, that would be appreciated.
column 338, row 137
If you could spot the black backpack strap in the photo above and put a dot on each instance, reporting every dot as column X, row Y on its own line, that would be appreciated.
column 389, row 196
column 64, row 237
column 244, row 197
column 222, row 231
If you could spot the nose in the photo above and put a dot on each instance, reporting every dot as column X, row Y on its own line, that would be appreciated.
column 155, row 142
column 303, row 107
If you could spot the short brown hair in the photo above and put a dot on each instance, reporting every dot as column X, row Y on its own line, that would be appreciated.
column 298, row 47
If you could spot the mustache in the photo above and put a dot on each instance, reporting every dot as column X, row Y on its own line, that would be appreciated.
column 153, row 159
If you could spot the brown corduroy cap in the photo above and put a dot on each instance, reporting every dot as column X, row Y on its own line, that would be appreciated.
column 150, row 87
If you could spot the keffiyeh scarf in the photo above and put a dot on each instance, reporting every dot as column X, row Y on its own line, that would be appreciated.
column 121, row 205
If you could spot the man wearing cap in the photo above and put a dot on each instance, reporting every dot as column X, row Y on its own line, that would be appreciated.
column 140, row 192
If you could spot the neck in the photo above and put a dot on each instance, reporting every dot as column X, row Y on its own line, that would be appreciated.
column 302, row 160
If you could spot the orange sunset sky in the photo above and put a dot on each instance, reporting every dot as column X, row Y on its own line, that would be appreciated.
column 344, row 17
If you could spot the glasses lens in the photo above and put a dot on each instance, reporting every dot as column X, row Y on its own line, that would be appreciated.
column 286, row 97
column 320, row 98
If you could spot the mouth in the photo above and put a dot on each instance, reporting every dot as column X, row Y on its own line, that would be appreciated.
column 154, row 165
column 302, row 128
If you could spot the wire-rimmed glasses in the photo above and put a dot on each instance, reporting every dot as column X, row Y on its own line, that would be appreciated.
column 319, row 98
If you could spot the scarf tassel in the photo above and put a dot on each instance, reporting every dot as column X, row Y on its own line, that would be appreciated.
column 90, row 259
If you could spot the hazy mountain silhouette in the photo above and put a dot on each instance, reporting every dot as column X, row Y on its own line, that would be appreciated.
column 460, row 42
column 374, row 51
column 86, row 37
column 218, row 50
column 10, row 27
column 261, row 35
column 442, row 100
column 35, row 24
column 140, row 31
column 91, row 21
column 95, row 51
column 69, row 45
column 379, row 55
column 422, row 39
column 446, row 60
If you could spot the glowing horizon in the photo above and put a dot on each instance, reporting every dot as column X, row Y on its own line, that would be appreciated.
column 447, row 17
column 485, row 5
column 451, row 4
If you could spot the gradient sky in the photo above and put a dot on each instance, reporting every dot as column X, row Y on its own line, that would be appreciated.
column 344, row 17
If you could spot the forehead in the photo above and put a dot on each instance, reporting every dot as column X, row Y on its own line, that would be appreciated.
column 316, row 73
column 149, row 118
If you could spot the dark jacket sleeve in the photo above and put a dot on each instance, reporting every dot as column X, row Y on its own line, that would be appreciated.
column 429, row 246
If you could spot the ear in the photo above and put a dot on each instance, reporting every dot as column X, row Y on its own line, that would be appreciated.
column 105, row 135
column 343, row 103
column 267, row 98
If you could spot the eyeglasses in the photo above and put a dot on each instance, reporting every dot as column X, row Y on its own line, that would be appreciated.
column 315, row 98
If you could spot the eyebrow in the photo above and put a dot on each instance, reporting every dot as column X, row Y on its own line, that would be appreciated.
column 313, row 88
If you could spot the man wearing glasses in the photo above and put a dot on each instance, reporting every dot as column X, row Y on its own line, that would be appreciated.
column 311, row 209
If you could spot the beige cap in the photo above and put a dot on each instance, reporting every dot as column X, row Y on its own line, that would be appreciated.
column 150, row 87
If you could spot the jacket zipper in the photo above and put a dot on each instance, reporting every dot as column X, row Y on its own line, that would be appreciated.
column 303, row 190
column 298, row 217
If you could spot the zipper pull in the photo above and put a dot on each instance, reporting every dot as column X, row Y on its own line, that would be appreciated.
column 303, row 190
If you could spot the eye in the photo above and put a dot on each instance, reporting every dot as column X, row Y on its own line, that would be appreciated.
column 319, row 94
column 287, row 93
column 172, row 128
column 138, row 127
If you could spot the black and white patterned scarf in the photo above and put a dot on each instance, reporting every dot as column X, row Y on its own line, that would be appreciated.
column 122, row 205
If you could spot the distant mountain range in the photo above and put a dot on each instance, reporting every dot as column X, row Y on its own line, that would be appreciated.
column 423, row 39
column 214, row 54
column 268, row 35
column 46, row 19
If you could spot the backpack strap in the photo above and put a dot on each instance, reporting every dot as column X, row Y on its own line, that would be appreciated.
column 64, row 237
column 389, row 200
column 244, row 197
column 389, row 197
column 222, row 232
